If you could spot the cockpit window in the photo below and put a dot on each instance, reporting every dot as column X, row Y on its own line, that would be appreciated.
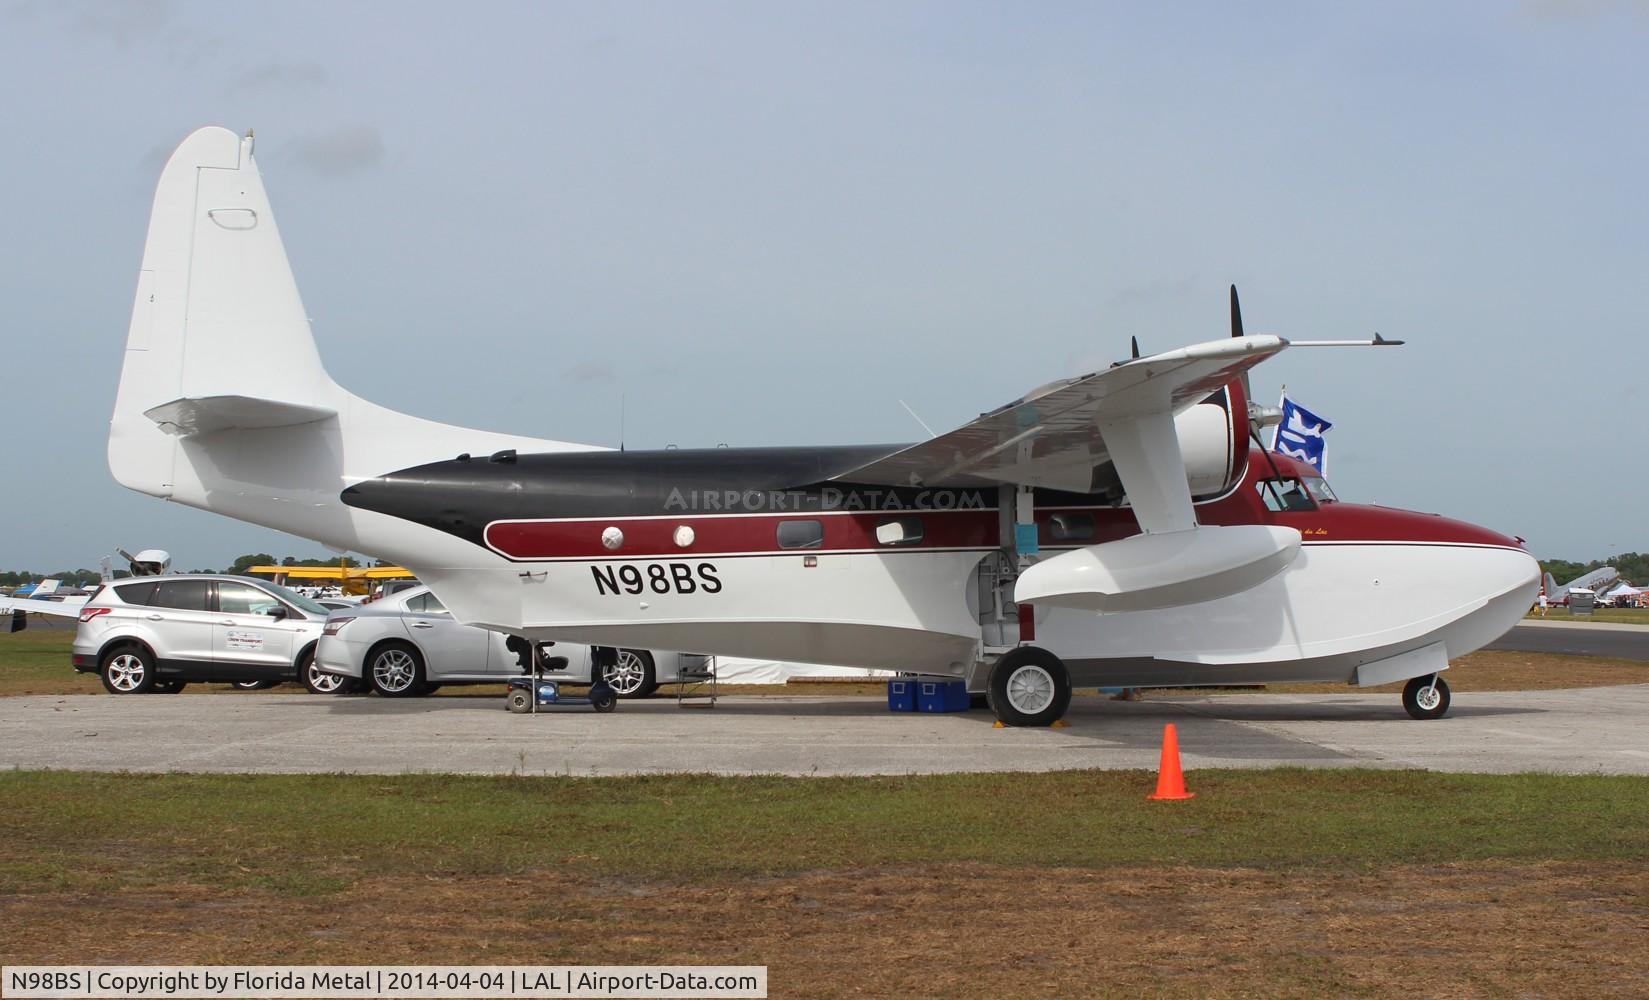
column 1285, row 495
column 1319, row 490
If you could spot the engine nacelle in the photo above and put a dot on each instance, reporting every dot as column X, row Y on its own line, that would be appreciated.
column 1211, row 455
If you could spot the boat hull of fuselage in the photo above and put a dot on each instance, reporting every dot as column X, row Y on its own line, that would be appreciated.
column 1335, row 608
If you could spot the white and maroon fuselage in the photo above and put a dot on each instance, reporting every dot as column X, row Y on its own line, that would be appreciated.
column 718, row 551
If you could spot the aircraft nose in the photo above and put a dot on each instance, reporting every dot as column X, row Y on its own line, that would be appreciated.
column 1506, row 579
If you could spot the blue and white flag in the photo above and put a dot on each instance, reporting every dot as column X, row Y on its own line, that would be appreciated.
column 1299, row 435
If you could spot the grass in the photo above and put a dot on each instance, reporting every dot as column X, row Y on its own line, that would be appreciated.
column 305, row 834
column 1618, row 616
column 36, row 661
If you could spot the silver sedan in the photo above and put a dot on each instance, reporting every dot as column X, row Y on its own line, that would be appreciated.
column 409, row 644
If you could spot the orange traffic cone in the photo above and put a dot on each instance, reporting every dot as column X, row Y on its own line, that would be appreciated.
column 1170, row 782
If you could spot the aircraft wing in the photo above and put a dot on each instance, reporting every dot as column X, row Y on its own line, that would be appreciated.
column 68, row 607
column 1057, row 435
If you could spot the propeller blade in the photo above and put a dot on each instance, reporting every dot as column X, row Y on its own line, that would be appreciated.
column 1134, row 341
column 1236, row 331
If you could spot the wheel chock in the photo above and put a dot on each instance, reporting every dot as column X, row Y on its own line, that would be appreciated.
column 1059, row 724
column 999, row 724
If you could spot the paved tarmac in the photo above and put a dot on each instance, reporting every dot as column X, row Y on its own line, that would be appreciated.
column 1583, row 730
column 1616, row 641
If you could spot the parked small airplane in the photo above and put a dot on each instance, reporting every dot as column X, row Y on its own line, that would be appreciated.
column 1114, row 528
column 1596, row 582
column 44, row 598
column 41, row 598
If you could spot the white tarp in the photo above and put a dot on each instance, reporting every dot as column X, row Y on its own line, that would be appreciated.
column 1624, row 590
column 734, row 670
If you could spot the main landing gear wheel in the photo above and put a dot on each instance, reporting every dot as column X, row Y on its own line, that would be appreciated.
column 1029, row 687
column 1426, row 697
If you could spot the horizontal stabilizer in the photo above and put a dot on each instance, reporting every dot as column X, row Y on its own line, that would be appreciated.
column 209, row 414
column 1147, row 572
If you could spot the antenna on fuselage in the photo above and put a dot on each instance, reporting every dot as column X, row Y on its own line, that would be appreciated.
column 918, row 419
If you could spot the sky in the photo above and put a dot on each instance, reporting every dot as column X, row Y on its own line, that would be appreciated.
column 764, row 224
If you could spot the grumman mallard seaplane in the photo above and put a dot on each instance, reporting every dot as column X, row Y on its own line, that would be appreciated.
column 1115, row 528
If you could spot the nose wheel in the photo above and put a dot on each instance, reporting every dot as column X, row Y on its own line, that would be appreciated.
column 1426, row 697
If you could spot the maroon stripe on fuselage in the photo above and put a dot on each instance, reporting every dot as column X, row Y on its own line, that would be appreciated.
column 743, row 535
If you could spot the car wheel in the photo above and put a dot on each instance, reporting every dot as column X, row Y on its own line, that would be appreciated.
column 253, row 685
column 395, row 670
column 318, row 681
column 631, row 674
column 128, row 670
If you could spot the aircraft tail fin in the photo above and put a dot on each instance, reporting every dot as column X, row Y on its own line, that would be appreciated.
column 219, row 336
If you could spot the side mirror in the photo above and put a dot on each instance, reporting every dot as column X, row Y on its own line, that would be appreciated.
column 278, row 612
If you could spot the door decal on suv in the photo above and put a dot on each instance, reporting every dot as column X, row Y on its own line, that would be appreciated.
column 243, row 640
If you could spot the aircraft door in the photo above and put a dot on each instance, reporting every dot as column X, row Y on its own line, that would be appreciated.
column 252, row 633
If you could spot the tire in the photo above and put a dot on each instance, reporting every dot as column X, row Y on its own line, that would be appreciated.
column 169, row 687
column 1029, row 687
column 127, row 670
column 253, row 685
column 1421, row 703
column 317, row 681
column 519, row 701
column 604, row 702
column 395, row 670
column 632, row 674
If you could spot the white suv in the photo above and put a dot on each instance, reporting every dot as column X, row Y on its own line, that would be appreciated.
column 159, row 633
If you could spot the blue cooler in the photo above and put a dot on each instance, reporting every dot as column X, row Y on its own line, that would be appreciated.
column 942, row 696
column 901, row 696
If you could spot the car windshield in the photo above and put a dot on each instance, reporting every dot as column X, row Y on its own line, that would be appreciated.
column 297, row 600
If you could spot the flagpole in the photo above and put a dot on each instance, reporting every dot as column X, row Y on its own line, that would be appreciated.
column 1277, row 428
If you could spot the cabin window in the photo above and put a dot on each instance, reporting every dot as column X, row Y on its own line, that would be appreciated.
column 1285, row 495
column 136, row 593
column 801, row 534
column 1071, row 527
column 899, row 531
column 1319, row 490
column 184, row 595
